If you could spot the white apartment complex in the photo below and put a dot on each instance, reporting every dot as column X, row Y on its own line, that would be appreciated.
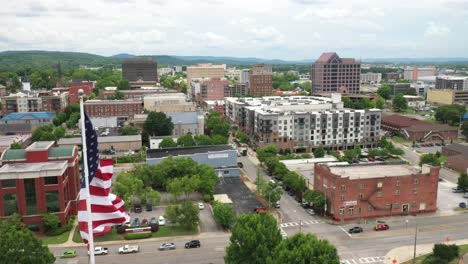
column 413, row 73
column 303, row 122
column 371, row 77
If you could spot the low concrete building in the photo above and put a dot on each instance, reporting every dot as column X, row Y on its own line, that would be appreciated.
column 415, row 101
column 168, row 103
column 376, row 189
column 222, row 158
column 6, row 141
column 134, row 93
column 118, row 143
column 24, row 123
column 457, row 156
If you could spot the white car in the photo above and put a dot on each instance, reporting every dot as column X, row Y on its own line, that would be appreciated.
column 201, row 206
column 161, row 221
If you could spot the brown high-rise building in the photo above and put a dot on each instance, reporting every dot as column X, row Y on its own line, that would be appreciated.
column 140, row 71
column 260, row 80
column 331, row 74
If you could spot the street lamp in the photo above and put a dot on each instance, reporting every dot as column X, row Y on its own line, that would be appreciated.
column 415, row 239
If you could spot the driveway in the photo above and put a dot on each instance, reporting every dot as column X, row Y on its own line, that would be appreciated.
column 207, row 222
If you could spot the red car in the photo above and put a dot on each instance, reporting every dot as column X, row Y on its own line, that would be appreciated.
column 381, row 227
column 371, row 159
column 144, row 222
column 259, row 210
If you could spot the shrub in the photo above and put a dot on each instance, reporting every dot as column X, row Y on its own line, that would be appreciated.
column 207, row 198
column 121, row 229
column 154, row 228
column 446, row 252
column 133, row 236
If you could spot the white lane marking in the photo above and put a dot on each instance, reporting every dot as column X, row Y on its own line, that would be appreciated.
column 291, row 224
column 218, row 249
column 365, row 260
column 283, row 233
column 346, row 232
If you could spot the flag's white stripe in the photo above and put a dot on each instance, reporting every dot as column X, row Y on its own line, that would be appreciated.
column 107, row 169
column 118, row 205
column 101, row 183
column 101, row 216
column 98, row 200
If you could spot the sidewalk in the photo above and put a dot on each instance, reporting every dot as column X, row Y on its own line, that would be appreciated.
column 402, row 254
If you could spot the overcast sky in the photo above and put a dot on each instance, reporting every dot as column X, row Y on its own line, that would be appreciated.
column 283, row 29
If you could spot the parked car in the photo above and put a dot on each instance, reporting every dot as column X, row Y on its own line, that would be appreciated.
column 161, row 221
column 144, row 222
column 149, row 208
column 167, row 246
column 465, row 195
column 136, row 222
column 193, row 244
column 259, row 210
column 438, row 144
column 371, row 159
column 381, row 227
column 356, row 229
column 305, row 204
column 462, row 205
column 415, row 146
column 137, row 209
column 380, row 159
column 456, row 190
column 69, row 254
column 201, row 206
column 277, row 205
column 440, row 179
column 129, row 249
column 310, row 211
column 153, row 221
column 240, row 165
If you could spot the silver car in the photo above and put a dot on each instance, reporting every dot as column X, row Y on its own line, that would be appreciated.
column 167, row 246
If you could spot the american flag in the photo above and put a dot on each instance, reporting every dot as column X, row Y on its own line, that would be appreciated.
column 107, row 209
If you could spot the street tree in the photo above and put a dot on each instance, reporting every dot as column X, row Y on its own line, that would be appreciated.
column 399, row 103
column 219, row 139
column 430, row 158
column 319, row 152
column 128, row 130
column 280, row 171
column 450, row 114
column 15, row 145
column 128, row 186
column 385, row 91
column 186, row 214
column 462, row 182
column 19, row 245
column 167, row 142
column 123, row 84
column 243, row 138
column 186, row 141
column 253, row 238
column 51, row 222
column 158, row 124
column 203, row 140
column 151, row 196
column 216, row 124
column 304, row 248
column 266, row 152
column 380, row 103
column 224, row 214
column 272, row 193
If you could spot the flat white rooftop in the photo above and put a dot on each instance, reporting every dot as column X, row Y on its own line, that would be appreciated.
column 354, row 172
column 33, row 170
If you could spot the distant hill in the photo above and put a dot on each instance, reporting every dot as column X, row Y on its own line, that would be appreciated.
column 454, row 60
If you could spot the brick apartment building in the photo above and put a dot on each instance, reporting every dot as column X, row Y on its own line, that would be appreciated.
column 457, row 156
column 377, row 189
column 205, row 70
column 33, row 102
column 111, row 108
column 260, row 80
column 331, row 74
column 39, row 179
column 418, row 130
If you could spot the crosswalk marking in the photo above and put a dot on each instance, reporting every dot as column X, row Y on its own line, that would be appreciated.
column 283, row 233
column 366, row 260
column 292, row 224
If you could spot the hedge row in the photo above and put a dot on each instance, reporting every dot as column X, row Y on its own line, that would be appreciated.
column 60, row 230
column 132, row 236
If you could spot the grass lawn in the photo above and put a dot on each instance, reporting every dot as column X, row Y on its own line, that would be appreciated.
column 51, row 240
column 420, row 259
column 168, row 231
column 111, row 236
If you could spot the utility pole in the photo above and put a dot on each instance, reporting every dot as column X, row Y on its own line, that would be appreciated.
column 415, row 239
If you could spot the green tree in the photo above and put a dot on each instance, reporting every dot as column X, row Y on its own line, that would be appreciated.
column 58, row 132
column 203, row 140
column 464, row 129
column 59, row 119
column 253, row 238
column 19, row 245
column 319, row 152
column 280, row 171
column 118, row 95
column 128, row 186
column 266, row 152
column 151, row 196
column 385, row 91
column 219, row 140
column 430, row 159
column 186, row 141
column 450, row 114
column 304, row 248
column 216, row 125
column 310, row 196
column 157, row 124
column 123, row 84
column 410, row 91
column 186, row 214
column 51, row 222
column 224, row 214
column 380, row 103
column 128, row 130
column 243, row 138
column 167, row 142
column 462, row 182
column 399, row 103
column 272, row 193
column 184, row 185
column 15, row 145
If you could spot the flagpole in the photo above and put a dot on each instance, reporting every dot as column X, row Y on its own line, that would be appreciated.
column 86, row 178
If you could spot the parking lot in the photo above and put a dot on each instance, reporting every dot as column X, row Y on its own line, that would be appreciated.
column 244, row 200
column 447, row 200
column 427, row 147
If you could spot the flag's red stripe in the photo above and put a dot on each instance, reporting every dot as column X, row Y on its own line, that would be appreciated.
column 98, row 191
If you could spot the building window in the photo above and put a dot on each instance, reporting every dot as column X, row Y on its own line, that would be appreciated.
column 416, row 181
column 9, row 183
column 361, row 196
column 415, row 191
column 397, row 183
column 379, row 194
column 30, row 190
column 52, row 201
column 343, row 187
column 351, row 210
column 226, row 172
column 396, row 205
column 10, row 204
column 388, row 206
column 397, row 192
column 370, row 208
column 342, row 197
column 342, row 210
column 361, row 186
column 50, row 180
column 413, row 203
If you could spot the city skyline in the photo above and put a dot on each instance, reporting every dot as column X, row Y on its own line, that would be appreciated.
column 288, row 30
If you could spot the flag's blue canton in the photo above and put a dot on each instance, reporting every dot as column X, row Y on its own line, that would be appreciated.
column 92, row 150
